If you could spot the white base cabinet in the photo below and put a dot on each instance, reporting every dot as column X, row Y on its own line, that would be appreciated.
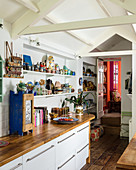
column 16, row 164
column 41, row 158
column 67, row 152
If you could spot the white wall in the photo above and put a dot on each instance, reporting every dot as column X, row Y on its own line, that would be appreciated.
column 126, row 102
column 10, row 83
column 134, row 90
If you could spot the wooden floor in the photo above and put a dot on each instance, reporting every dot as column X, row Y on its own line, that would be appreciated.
column 106, row 152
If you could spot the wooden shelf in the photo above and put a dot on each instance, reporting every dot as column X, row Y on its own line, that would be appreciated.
column 54, row 95
column 47, row 74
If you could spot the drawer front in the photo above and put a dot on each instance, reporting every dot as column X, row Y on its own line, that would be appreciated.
column 81, row 156
column 16, row 164
column 65, row 146
column 42, row 158
column 69, row 164
column 82, row 135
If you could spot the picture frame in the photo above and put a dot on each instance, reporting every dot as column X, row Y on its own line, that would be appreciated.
column 28, row 110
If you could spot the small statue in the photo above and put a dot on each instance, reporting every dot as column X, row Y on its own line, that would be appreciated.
column 42, row 87
column 21, row 87
column 50, row 63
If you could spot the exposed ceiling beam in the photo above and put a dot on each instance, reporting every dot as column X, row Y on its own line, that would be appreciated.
column 54, row 21
column 101, row 4
column 103, row 22
column 29, row 4
column 129, row 5
column 30, row 17
column 108, row 53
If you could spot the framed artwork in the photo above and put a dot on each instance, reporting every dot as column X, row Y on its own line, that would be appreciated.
column 28, row 110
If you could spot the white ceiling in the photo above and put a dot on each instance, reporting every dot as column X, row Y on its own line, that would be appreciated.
column 67, row 11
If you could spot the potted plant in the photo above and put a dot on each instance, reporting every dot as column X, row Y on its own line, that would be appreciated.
column 78, row 102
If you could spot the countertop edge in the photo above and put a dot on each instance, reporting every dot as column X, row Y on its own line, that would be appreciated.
column 42, row 143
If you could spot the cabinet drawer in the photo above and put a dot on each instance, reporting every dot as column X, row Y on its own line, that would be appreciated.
column 81, row 157
column 65, row 146
column 16, row 164
column 69, row 164
column 42, row 158
column 82, row 135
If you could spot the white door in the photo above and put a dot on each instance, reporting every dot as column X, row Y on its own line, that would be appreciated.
column 100, row 73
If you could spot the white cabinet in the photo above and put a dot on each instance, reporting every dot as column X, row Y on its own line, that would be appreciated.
column 82, row 145
column 82, row 137
column 69, row 164
column 67, row 152
column 16, row 164
column 41, row 158
column 81, row 156
column 65, row 147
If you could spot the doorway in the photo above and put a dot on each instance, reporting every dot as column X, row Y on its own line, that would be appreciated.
column 112, row 86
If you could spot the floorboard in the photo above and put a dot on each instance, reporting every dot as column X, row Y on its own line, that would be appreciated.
column 106, row 152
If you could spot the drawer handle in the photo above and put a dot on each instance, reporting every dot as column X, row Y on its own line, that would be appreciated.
column 29, row 159
column 82, row 149
column 17, row 166
column 83, row 128
column 66, row 138
column 66, row 162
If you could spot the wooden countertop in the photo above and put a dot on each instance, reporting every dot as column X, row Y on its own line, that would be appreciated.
column 128, row 158
column 19, row 145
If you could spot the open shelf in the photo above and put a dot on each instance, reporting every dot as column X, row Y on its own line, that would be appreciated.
column 54, row 95
column 47, row 74
column 46, row 49
column 89, row 77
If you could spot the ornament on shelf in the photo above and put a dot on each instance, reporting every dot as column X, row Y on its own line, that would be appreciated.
column 43, row 87
column 13, row 63
column 50, row 63
column 21, row 87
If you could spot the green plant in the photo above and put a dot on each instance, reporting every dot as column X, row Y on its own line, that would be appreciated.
column 78, row 101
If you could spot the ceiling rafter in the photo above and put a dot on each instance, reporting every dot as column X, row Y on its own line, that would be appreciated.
column 129, row 5
column 103, row 22
column 29, row 4
column 101, row 4
column 108, row 53
column 30, row 17
column 54, row 21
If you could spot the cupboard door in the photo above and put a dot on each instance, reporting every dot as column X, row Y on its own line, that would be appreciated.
column 42, row 158
column 65, row 147
column 82, row 135
column 13, row 165
column 81, row 156
column 69, row 164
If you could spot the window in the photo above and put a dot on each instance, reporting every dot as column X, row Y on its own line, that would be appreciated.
column 115, row 75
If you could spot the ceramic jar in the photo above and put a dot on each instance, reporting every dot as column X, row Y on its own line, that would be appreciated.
column 79, row 110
